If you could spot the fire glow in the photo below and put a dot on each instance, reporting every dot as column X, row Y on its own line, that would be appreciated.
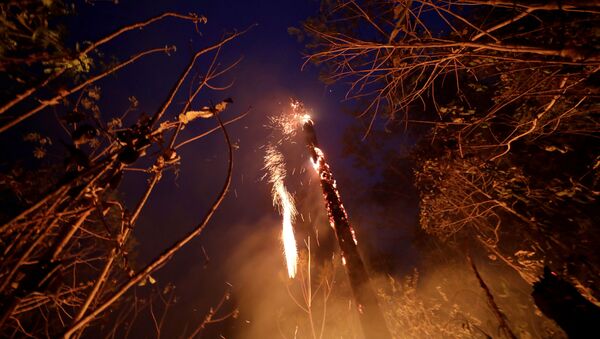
column 287, row 125
column 318, row 162
column 370, row 316
column 283, row 200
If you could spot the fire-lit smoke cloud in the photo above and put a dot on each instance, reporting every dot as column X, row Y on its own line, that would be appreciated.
column 282, row 199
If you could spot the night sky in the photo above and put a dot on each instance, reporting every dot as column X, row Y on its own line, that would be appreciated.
column 265, row 80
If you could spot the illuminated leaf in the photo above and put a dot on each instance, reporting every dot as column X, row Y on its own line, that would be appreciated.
column 205, row 113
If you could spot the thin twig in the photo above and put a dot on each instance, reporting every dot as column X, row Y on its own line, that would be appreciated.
column 490, row 298
column 167, row 254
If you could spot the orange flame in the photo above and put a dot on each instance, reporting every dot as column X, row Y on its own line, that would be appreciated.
column 282, row 199
column 319, row 164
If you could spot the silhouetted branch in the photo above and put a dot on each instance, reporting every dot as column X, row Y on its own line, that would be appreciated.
column 490, row 298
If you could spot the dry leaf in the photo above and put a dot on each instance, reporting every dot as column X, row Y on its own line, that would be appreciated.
column 205, row 113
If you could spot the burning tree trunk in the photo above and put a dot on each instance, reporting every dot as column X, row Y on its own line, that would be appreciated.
column 371, row 318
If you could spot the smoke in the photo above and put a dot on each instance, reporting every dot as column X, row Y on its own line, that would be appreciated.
column 436, row 300
column 447, row 301
column 273, row 305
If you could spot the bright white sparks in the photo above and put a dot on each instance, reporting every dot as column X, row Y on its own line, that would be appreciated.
column 287, row 125
column 290, row 124
column 282, row 199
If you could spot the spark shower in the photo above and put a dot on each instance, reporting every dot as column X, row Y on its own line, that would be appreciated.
column 370, row 315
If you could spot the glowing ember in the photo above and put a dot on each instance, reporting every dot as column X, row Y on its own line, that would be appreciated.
column 282, row 199
column 306, row 118
column 289, row 124
column 370, row 315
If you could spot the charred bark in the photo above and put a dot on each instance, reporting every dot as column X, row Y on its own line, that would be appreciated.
column 371, row 318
